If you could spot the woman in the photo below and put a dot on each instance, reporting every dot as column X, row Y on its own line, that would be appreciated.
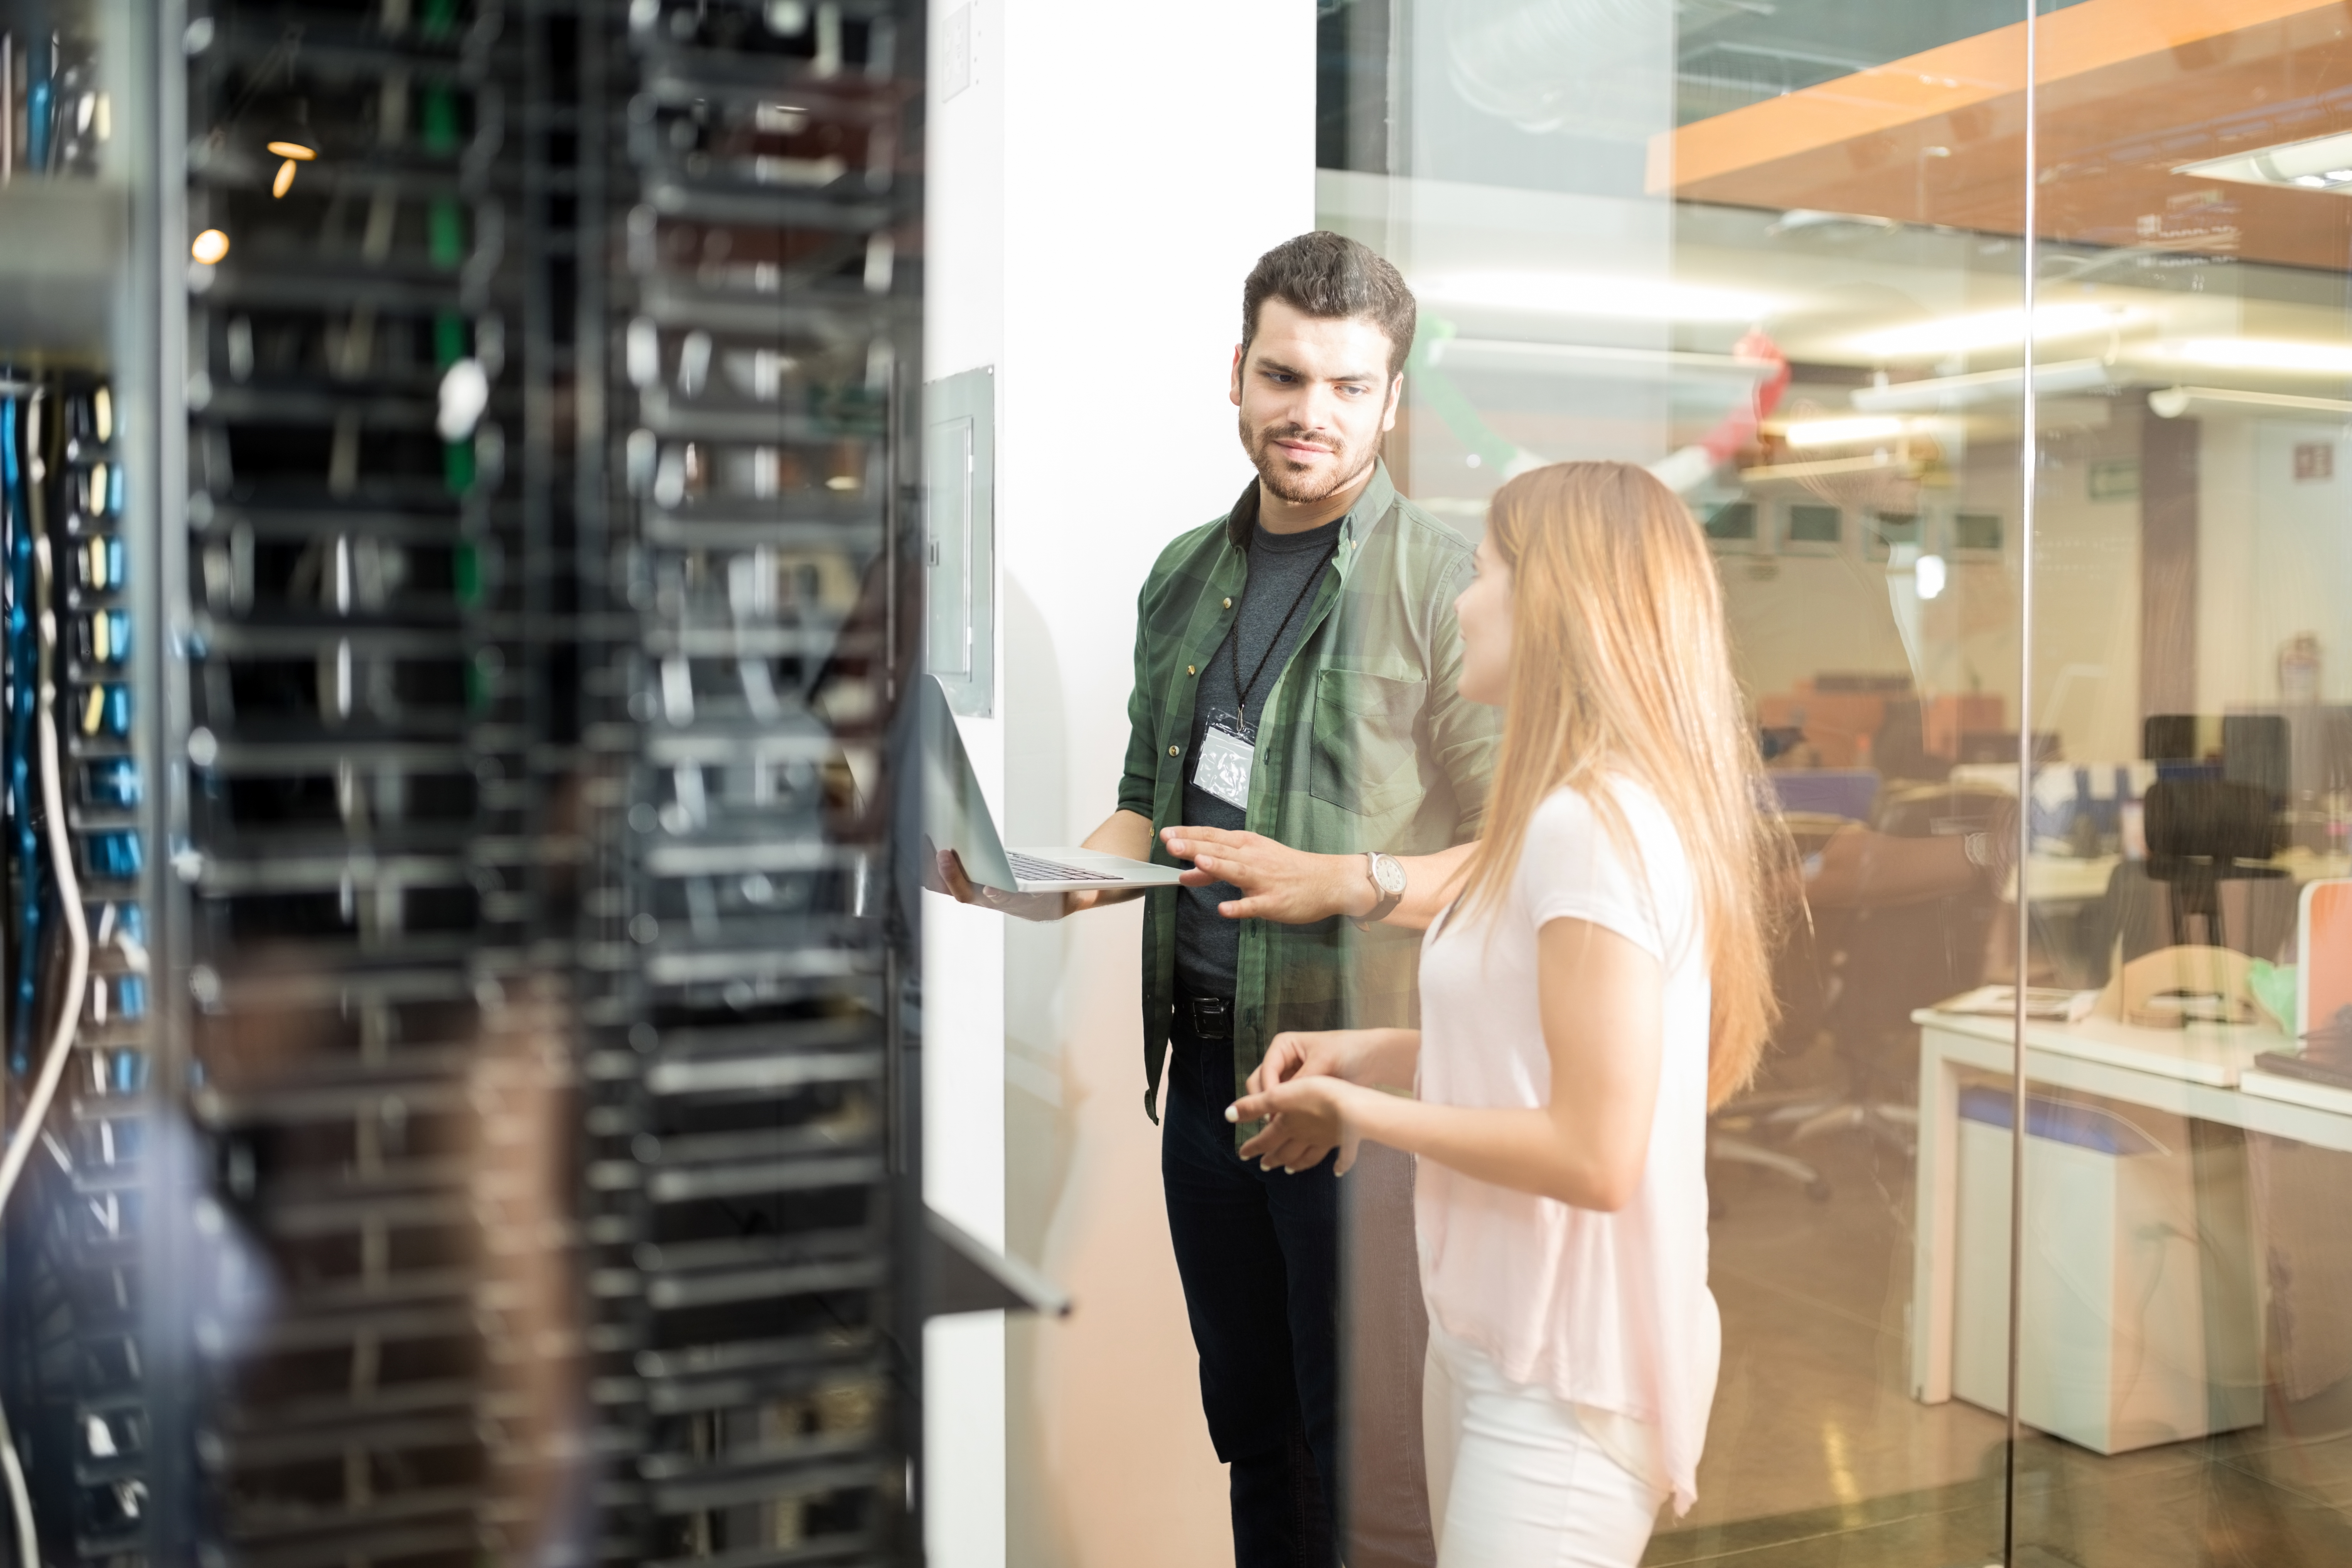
column 1601, row 981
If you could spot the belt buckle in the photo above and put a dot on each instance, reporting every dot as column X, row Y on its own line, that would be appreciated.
column 1212, row 1018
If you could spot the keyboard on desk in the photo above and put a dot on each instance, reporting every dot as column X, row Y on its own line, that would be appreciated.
column 1029, row 868
column 2333, row 1070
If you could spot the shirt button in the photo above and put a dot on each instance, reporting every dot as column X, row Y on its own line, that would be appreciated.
column 1190, row 670
column 1229, row 603
column 1171, row 751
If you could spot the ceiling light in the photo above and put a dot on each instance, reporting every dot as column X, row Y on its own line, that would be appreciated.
column 2172, row 401
column 2266, row 353
column 1836, row 226
column 2320, row 164
column 1592, row 360
column 294, row 153
column 1945, row 392
column 1571, row 294
column 1841, row 432
column 1987, row 330
column 209, row 246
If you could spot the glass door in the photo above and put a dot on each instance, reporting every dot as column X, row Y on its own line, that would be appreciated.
column 1847, row 375
column 2182, row 1366
column 1771, row 252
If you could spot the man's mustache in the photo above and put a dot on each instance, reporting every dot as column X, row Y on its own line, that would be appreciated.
column 1294, row 434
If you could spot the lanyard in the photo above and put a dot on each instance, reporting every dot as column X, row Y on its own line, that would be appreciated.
column 1234, row 638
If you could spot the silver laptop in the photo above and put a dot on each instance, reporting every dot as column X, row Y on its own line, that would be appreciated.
column 956, row 817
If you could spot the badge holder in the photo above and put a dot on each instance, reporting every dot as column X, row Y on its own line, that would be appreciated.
column 1228, row 753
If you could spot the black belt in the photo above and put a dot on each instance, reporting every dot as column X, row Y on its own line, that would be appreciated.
column 1211, row 1017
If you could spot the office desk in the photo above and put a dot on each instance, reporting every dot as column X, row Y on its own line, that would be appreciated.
column 2201, row 1071
column 2065, row 879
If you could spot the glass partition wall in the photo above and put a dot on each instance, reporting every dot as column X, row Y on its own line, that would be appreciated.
column 2037, row 564
column 2183, row 1366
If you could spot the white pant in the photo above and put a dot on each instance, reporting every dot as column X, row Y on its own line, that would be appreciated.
column 1515, row 1481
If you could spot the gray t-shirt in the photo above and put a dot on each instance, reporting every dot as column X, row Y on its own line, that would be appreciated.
column 1208, row 945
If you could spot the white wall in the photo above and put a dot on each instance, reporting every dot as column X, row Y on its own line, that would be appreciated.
column 1096, row 196
column 2274, row 558
column 964, row 1083
column 2086, row 588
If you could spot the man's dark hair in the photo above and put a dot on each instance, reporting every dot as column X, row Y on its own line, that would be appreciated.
column 1334, row 278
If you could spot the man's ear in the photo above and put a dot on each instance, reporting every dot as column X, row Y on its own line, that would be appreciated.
column 1235, row 390
column 1396, row 401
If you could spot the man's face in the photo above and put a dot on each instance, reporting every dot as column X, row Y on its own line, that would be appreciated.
column 1314, row 396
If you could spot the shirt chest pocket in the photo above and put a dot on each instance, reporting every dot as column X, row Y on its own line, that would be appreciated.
column 1365, row 743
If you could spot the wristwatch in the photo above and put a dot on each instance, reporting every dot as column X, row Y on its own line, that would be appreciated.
column 1387, row 873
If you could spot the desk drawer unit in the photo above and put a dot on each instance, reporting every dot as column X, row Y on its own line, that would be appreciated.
column 2140, row 1324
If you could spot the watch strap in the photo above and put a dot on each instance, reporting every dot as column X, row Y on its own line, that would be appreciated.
column 1388, row 900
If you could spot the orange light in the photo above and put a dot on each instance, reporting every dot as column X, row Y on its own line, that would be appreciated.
column 294, row 149
column 284, row 180
column 209, row 246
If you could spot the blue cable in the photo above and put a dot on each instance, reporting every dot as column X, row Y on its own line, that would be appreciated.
column 40, row 95
column 23, row 663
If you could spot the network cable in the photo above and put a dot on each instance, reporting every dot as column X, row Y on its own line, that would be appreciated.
column 19, row 438
column 69, row 1011
column 20, row 1497
column 13, row 524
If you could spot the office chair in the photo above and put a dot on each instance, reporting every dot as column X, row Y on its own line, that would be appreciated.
column 1797, row 984
column 1888, row 960
column 2204, row 882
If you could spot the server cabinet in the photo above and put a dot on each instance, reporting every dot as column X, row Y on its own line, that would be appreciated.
column 455, row 461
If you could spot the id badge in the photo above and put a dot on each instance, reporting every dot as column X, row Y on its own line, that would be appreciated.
column 1224, row 770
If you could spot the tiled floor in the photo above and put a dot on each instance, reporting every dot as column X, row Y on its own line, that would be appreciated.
column 1817, row 1457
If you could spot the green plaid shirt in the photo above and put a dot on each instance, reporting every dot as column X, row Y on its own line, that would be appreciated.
column 1365, row 743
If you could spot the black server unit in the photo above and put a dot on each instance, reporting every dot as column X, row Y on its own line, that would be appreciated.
column 459, row 961
column 763, row 341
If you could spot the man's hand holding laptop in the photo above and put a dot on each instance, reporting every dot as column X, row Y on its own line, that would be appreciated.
column 1125, row 834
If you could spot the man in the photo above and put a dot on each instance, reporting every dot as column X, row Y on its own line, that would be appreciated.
column 1295, row 725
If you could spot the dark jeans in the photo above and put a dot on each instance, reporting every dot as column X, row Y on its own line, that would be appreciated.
column 1258, row 1252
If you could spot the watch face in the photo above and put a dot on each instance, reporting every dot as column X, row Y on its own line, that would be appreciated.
column 1390, row 874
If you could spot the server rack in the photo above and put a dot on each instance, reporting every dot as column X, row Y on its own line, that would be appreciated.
column 76, row 535
column 761, row 426
column 456, row 573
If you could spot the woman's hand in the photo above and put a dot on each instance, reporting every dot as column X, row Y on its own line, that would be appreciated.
column 1306, row 1119
column 1308, row 1053
column 1375, row 1057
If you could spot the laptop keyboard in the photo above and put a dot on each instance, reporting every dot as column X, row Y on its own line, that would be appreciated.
column 1029, row 868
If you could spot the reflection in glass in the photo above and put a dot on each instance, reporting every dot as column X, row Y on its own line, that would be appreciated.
column 1629, row 242
column 2190, row 561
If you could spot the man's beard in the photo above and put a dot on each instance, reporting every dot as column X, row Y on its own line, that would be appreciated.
column 1281, row 476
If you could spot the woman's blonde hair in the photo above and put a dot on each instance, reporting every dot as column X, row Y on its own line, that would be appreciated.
column 1620, row 667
